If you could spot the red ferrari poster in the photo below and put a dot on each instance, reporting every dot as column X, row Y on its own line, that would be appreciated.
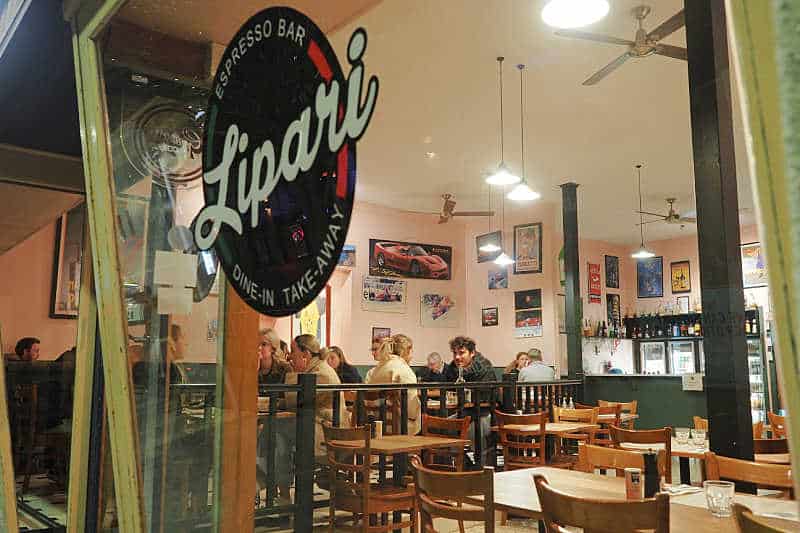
column 410, row 260
column 594, row 283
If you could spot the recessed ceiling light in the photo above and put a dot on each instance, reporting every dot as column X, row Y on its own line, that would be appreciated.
column 430, row 155
column 574, row 13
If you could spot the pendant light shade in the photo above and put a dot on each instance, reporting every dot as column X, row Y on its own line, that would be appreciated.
column 503, row 175
column 503, row 260
column 574, row 13
column 522, row 192
column 642, row 252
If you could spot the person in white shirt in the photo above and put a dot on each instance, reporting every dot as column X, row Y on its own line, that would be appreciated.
column 536, row 371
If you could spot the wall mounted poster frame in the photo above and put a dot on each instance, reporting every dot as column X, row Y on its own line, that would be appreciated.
column 401, row 259
column 528, row 248
column 67, row 263
column 496, row 238
column 754, row 267
column 595, row 284
column 497, row 278
column 650, row 277
column 680, row 276
column 613, row 309
column 315, row 319
column 489, row 317
column 612, row 271
column 384, row 295
column 437, row 311
column 378, row 334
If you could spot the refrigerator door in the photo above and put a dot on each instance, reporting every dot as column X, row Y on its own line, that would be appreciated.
column 758, row 385
column 654, row 358
column 682, row 357
column 702, row 368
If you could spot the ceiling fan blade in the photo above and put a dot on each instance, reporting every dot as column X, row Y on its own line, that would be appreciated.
column 473, row 214
column 651, row 214
column 669, row 26
column 688, row 220
column 606, row 70
column 649, row 222
column 572, row 34
column 442, row 219
column 672, row 51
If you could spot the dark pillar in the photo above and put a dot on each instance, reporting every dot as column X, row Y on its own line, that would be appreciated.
column 569, row 207
column 727, row 376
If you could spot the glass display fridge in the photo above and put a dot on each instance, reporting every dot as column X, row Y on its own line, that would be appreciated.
column 681, row 356
column 654, row 357
column 758, row 382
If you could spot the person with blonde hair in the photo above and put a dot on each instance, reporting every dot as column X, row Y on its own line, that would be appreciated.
column 520, row 361
column 272, row 365
column 393, row 368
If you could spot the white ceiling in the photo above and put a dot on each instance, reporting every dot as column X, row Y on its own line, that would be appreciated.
column 438, row 93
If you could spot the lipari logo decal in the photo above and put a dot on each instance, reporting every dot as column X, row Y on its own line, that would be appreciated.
column 279, row 158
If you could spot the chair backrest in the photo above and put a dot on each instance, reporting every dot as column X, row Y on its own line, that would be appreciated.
column 588, row 416
column 522, row 449
column 627, row 407
column 434, row 426
column 348, row 464
column 750, row 524
column 700, row 423
column 761, row 474
column 437, row 492
column 770, row 446
column 561, row 510
column 592, row 457
column 758, row 430
column 648, row 436
column 391, row 399
column 777, row 425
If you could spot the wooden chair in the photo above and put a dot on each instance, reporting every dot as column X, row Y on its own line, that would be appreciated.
column 758, row 430
column 761, row 474
column 700, row 423
column 648, row 436
column 770, row 446
column 591, row 458
column 522, row 449
column 563, row 458
column 443, row 459
column 351, row 487
column 631, row 407
column 777, row 425
column 602, row 436
column 751, row 524
column 561, row 510
column 445, row 495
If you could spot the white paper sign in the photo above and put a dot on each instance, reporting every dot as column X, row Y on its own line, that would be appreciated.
column 175, row 269
column 174, row 301
column 692, row 382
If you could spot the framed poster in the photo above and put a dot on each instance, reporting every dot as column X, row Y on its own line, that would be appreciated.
column 379, row 334
column 650, row 277
column 528, row 299
column 612, row 271
column 385, row 295
column 66, row 284
column 348, row 256
column 496, row 238
column 679, row 273
column 489, row 317
column 595, row 285
column 410, row 260
column 528, row 248
column 498, row 278
column 754, row 267
column 683, row 304
column 528, row 323
column 437, row 311
column 315, row 319
column 612, row 309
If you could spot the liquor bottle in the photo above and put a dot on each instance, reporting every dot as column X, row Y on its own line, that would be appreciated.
column 647, row 331
column 624, row 330
column 660, row 332
column 690, row 329
column 603, row 330
column 747, row 327
column 571, row 404
column 684, row 329
column 676, row 330
column 754, row 327
column 697, row 332
column 564, row 402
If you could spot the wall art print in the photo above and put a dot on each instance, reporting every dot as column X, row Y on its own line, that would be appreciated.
column 496, row 238
column 498, row 278
column 66, row 285
column 348, row 256
column 528, row 248
column 314, row 319
column 385, row 295
column 378, row 334
column 438, row 311
column 528, row 323
column 410, row 260
column 612, row 271
column 650, row 277
column 754, row 267
column 613, row 314
column 528, row 299
column 489, row 317
column 595, row 283
column 680, row 276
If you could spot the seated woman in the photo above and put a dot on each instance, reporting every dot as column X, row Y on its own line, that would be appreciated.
column 521, row 360
column 393, row 367
column 347, row 373
column 272, row 365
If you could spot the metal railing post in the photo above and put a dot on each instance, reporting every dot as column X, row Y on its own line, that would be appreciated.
column 304, row 457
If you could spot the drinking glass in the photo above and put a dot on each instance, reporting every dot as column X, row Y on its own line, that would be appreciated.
column 699, row 438
column 682, row 435
column 719, row 496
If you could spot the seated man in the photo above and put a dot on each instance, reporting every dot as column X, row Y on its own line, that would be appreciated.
column 536, row 371
column 435, row 371
column 27, row 349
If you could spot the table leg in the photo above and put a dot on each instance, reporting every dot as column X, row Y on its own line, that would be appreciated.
column 398, row 472
column 686, row 475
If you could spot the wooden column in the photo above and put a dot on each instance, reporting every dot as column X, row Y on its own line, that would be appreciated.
column 569, row 207
column 727, row 381
column 239, row 417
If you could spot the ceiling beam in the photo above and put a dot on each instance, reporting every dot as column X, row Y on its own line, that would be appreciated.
column 35, row 168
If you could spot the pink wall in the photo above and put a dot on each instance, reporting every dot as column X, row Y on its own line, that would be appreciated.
column 591, row 251
column 25, row 283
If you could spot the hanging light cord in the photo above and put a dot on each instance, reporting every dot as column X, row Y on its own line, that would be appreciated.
column 521, row 121
column 502, row 152
column 641, row 216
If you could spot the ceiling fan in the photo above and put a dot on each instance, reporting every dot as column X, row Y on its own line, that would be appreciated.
column 643, row 45
column 672, row 216
column 448, row 210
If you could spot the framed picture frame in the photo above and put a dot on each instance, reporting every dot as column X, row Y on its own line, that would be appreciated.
column 379, row 334
column 496, row 238
column 650, row 277
column 528, row 299
column 66, row 284
column 754, row 267
column 613, row 313
column 683, row 305
column 612, row 271
column 497, row 278
column 680, row 277
column 528, row 248
column 489, row 317
column 315, row 319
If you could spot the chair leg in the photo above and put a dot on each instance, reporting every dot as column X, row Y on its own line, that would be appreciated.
column 503, row 518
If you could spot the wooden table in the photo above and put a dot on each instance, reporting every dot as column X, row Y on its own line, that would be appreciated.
column 394, row 444
column 773, row 458
column 683, row 452
column 515, row 492
column 556, row 429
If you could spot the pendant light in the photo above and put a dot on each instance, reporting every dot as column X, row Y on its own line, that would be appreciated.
column 490, row 247
column 642, row 252
column 503, row 259
column 574, row 13
column 522, row 192
column 503, row 175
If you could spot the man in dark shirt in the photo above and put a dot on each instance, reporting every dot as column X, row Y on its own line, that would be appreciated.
column 435, row 371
